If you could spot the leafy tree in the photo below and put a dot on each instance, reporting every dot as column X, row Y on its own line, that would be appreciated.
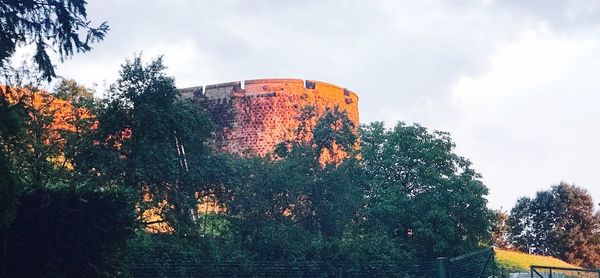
column 40, row 151
column 297, row 205
column 328, row 172
column 11, row 129
column 77, row 151
column 36, row 134
column 257, row 209
column 59, row 25
column 154, row 142
column 500, row 230
column 421, row 193
column 559, row 222
column 164, row 255
column 77, row 94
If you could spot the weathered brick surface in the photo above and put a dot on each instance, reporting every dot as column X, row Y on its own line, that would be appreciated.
column 255, row 117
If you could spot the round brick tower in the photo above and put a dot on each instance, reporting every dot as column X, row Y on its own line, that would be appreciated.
column 252, row 119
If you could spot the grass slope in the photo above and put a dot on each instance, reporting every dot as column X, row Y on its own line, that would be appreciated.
column 513, row 260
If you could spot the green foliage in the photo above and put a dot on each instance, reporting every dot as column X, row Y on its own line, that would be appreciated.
column 78, row 95
column 560, row 222
column 421, row 193
column 403, row 197
column 26, row 157
column 296, row 207
column 406, row 197
column 11, row 130
column 333, row 129
column 51, row 131
column 79, row 142
column 58, row 25
column 154, row 142
column 31, row 153
column 59, row 233
column 162, row 255
column 29, row 147
column 372, row 248
column 257, row 209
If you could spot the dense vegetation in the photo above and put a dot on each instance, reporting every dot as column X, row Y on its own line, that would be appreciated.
column 141, row 161
column 86, row 183
column 559, row 222
column 402, row 196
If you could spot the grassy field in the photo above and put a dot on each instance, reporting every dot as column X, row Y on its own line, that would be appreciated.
column 520, row 261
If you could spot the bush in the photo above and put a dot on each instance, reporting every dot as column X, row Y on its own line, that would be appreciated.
column 59, row 233
column 166, row 255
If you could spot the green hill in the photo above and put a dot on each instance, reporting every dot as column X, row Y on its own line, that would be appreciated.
column 513, row 260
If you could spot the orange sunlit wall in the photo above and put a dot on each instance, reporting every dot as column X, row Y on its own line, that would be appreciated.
column 254, row 118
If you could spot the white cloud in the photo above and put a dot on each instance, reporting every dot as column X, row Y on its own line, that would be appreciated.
column 533, row 60
column 527, row 122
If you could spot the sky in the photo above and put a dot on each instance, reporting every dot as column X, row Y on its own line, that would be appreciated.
column 514, row 82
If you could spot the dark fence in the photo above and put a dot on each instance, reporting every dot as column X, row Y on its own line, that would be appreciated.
column 563, row 272
column 280, row 269
column 476, row 264
column 473, row 265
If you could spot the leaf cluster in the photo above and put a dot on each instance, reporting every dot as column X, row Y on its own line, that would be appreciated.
column 56, row 25
column 421, row 193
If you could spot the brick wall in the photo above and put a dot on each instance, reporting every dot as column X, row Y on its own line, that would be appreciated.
column 255, row 117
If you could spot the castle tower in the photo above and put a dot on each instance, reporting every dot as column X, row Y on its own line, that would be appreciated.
column 254, row 118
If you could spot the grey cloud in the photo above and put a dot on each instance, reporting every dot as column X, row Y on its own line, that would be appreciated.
column 401, row 57
column 561, row 15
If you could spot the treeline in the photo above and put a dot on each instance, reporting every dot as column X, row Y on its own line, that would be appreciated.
column 84, row 180
column 560, row 222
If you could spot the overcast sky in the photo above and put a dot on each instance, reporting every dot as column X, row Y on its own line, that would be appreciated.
column 515, row 82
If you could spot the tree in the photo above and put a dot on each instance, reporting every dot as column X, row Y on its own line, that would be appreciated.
column 150, row 140
column 60, row 25
column 421, row 193
column 11, row 130
column 298, row 204
column 39, row 150
column 36, row 133
column 77, row 94
column 559, row 222
column 500, row 230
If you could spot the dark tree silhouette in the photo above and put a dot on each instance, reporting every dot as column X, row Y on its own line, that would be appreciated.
column 559, row 222
column 57, row 25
